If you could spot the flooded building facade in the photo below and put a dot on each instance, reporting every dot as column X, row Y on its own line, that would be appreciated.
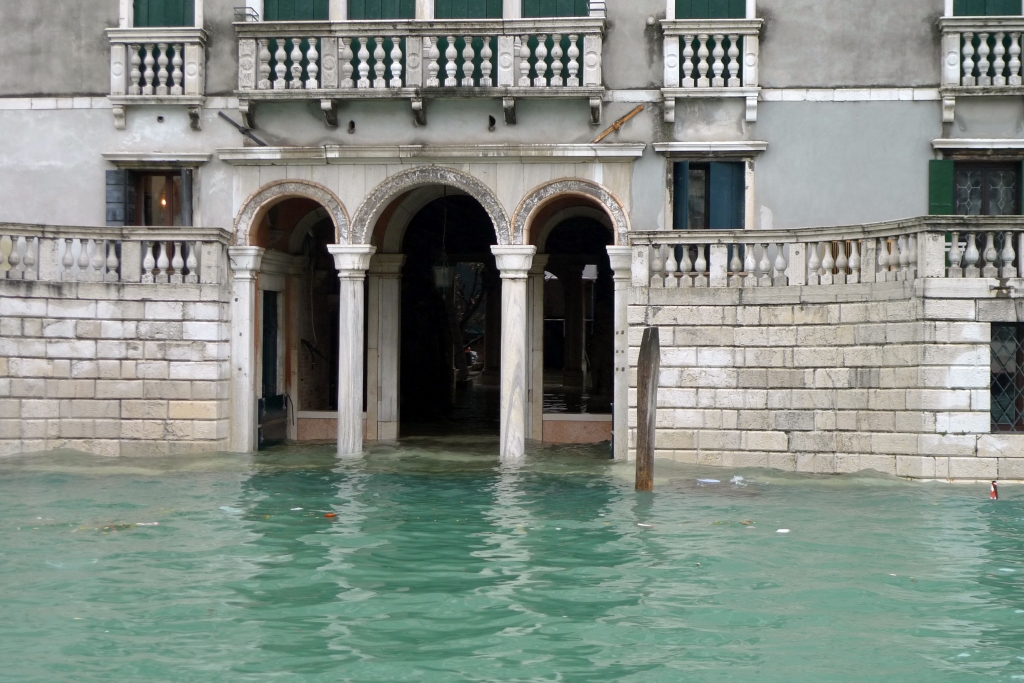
column 334, row 219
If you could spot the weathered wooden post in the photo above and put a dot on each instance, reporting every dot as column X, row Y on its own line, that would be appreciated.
column 648, row 367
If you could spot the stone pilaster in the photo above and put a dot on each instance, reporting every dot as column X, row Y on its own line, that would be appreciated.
column 245, row 265
column 514, row 262
column 352, row 262
column 621, row 262
column 386, row 285
column 535, row 382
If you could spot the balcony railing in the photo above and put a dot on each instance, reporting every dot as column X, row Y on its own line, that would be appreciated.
column 157, row 66
column 980, row 56
column 91, row 254
column 946, row 247
column 417, row 60
column 711, row 58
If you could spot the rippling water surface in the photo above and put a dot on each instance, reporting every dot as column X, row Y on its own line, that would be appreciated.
column 441, row 566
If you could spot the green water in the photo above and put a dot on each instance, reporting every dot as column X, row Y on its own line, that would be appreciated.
column 441, row 566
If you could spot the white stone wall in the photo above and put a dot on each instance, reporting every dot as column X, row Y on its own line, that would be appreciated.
column 114, row 369
column 893, row 377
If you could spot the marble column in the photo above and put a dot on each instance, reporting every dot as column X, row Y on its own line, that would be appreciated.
column 491, row 376
column 535, row 332
column 571, row 276
column 514, row 263
column 245, row 265
column 621, row 262
column 386, row 309
column 352, row 262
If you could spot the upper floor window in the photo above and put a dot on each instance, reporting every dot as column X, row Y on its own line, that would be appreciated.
column 302, row 10
column 1008, row 377
column 711, row 9
column 381, row 9
column 157, row 198
column 468, row 9
column 153, row 13
column 708, row 195
column 986, row 8
column 554, row 8
column 965, row 188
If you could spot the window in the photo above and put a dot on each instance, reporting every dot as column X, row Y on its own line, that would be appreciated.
column 708, row 195
column 381, row 9
column 153, row 13
column 711, row 9
column 986, row 8
column 298, row 10
column 974, row 188
column 554, row 8
column 159, row 198
column 1008, row 378
column 468, row 9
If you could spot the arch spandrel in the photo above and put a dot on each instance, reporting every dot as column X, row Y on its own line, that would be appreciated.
column 286, row 189
column 568, row 187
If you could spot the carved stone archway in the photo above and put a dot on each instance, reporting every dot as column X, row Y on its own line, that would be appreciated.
column 284, row 189
column 567, row 187
column 378, row 200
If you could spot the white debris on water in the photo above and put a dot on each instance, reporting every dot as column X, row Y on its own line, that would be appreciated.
column 230, row 510
column 782, row 531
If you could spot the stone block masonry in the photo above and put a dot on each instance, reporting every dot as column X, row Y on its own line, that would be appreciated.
column 893, row 377
column 114, row 368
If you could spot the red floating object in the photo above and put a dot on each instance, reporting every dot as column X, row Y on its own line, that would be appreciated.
column 330, row 515
column 993, row 492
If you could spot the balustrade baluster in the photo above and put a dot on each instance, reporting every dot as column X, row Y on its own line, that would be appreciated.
column 685, row 277
column 998, row 65
column 671, row 266
column 192, row 262
column 955, row 256
column 296, row 69
column 556, row 61
column 541, row 81
column 113, row 266
column 486, row 63
column 264, row 82
column 749, row 266
column 312, row 66
column 14, row 259
column 904, row 251
column 702, row 66
column 764, row 267
column 700, row 268
column 29, row 269
column 450, row 65
column 734, row 61
column 828, row 264
column 911, row 256
column 433, row 59
column 148, row 86
column 780, row 279
column 176, row 63
column 98, row 261
column 280, row 68
column 735, row 272
column 524, row 62
column 347, row 68
column 854, row 276
column 67, row 261
column 396, row 61
column 574, row 63
column 972, row 256
column 813, row 263
column 1014, row 78
column 468, row 68
column 135, row 74
column 657, row 274
column 148, row 262
column 688, row 81
column 718, row 66
column 162, row 264
column 364, row 64
column 177, row 265
column 161, row 75
column 983, row 64
column 990, row 255
column 842, row 263
column 83, row 259
column 1007, row 257
column 968, row 58
column 379, row 67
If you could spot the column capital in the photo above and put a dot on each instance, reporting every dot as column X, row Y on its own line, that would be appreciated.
column 245, row 261
column 540, row 263
column 514, row 261
column 351, row 260
column 387, row 265
column 622, row 262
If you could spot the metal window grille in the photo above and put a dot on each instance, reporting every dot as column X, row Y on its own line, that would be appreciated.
column 1008, row 378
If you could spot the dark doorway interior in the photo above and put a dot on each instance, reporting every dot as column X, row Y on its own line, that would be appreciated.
column 273, row 407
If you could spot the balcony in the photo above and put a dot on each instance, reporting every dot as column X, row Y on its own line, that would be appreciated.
column 419, row 61
column 711, row 58
column 980, row 56
column 157, row 66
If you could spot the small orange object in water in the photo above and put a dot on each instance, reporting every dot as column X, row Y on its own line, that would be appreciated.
column 330, row 515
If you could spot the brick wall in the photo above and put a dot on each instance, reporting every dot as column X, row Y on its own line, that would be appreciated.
column 891, row 376
column 115, row 369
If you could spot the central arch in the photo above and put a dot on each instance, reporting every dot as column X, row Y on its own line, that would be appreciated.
column 276, row 192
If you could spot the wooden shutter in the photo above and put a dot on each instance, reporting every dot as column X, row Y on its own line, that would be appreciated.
column 680, row 195
column 555, row 8
column 295, row 10
column 186, row 196
column 986, row 8
column 151, row 13
column 711, row 9
column 381, row 9
column 727, row 186
column 941, row 188
column 121, row 198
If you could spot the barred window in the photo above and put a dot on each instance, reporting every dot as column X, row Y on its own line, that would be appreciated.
column 1008, row 377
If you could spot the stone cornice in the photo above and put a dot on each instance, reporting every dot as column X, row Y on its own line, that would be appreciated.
column 156, row 160
column 747, row 147
column 338, row 154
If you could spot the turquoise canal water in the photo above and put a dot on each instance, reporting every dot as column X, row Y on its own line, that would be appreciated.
column 441, row 566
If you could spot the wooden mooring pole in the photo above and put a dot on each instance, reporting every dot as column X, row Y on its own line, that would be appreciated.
column 647, row 370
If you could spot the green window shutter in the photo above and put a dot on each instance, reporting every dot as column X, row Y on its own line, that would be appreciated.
column 152, row 13
column 982, row 8
column 468, row 9
column 382, row 9
column 941, row 188
column 116, row 197
column 727, row 186
column 295, row 10
column 555, row 8
column 711, row 9
column 680, row 195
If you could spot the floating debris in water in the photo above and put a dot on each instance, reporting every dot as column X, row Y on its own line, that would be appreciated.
column 330, row 515
column 1004, row 569
column 646, row 526
column 782, row 531
column 147, row 524
column 230, row 510
column 708, row 481
column 737, row 480
column 296, row 509
column 746, row 522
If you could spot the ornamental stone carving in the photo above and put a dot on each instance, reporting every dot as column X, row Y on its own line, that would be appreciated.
column 375, row 203
column 571, row 186
column 284, row 189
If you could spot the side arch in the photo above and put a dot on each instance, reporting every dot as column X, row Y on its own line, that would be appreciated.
column 285, row 189
column 609, row 203
column 381, row 197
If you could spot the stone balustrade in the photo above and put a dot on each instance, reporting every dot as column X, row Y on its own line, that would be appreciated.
column 128, row 255
column 933, row 247
column 980, row 56
column 411, row 59
column 711, row 58
column 157, row 66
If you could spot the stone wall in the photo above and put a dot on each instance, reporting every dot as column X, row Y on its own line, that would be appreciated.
column 893, row 377
column 112, row 368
